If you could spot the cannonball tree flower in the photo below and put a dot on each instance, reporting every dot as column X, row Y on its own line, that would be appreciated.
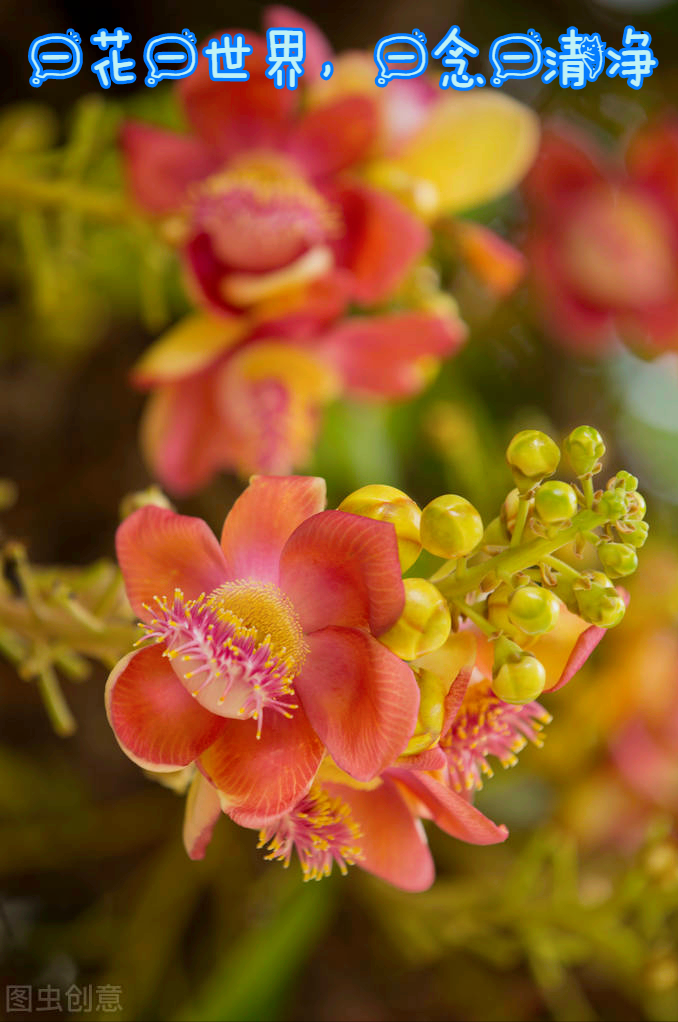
column 603, row 246
column 259, row 652
column 234, row 393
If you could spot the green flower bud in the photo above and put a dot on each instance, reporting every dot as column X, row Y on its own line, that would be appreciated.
column 638, row 536
column 387, row 504
column 534, row 610
column 613, row 504
column 532, row 456
column 600, row 604
column 521, row 681
column 626, row 480
column 496, row 533
column 450, row 527
column 555, row 502
column 618, row 559
column 152, row 496
column 433, row 690
column 637, row 507
column 424, row 624
column 584, row 448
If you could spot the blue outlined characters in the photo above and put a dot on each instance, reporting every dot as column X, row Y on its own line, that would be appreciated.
column 112, row 69
column 404, row 63
column 162, row 63
column 227, row 58
column 636, row 61
column 580, row 60
column 60, row 49
column 285, row 56
column 455, row 52
column 516, row 55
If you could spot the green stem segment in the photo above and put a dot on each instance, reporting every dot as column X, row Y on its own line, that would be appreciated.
column 520, row 559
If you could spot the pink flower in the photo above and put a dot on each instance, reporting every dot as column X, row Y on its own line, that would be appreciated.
column 259, row 194
column 604, row 242
column 262, row 652
column 230, row 394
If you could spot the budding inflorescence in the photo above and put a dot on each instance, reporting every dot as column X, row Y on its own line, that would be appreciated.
column 506, row 578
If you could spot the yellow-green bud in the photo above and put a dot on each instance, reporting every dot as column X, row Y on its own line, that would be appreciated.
column 496, row 533
column 152, row 496
column 424, row 624
column 532, row 456
column 600, row 604
column 450, row 527
column 387, row 504
column 534, row 610
column 433, row 690
column 555, row 502
column 618, row 559
column 584, row 448
column 498, row 613
column 626, row 480
column 521, row 681
column 613, row 504
column 637, row 507
column 638, row 536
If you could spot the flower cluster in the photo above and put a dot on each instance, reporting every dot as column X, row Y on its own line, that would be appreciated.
column 321, row 698
column 304, row 221
column 603, row 249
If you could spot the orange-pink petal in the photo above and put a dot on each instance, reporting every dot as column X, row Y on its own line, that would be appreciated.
column 566, row 163
column 393, row 843
column 342, row 569
column 203, row 809
column 334, row 136
column 361, row 699
column 263, row 778
column 156, row 722
column 160, row 551
column 381, row 242
column 450, row 811
column 263, row 518
column 240, row 115
column 161, row 164
column 391, row 355
column 318, row 49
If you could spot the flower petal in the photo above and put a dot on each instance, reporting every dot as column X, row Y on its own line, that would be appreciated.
column 263, row 778
column 391, row 355
column 263, row 518
column 318, row 49
column 361, row 699
column 472, row 148
column 203, row 809
column 497, row 264
column 652, row 159
column 183, row 436
column 160, row 551
column 336, row 135
column 342, row 569
column 156, row 722
column 367, row 248
column 160, row 165
column 243, row 115
column 189, row 346
column 566, row 163
column 394, row 845
column 450, row 811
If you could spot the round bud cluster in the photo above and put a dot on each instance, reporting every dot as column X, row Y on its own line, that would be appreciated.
column 598, row 601
column 450, row 527
column 584, row 448
column 555, row 502
column 424, row 624
column 518, row 677
column 532, row 456
column 387, row 504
